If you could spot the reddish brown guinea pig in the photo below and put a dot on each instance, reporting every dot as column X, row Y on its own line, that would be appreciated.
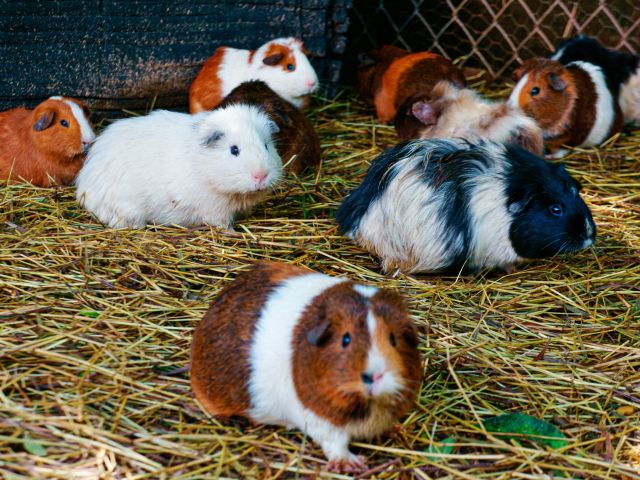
column 296, row 136
column 572, row 104
column 45, row 146
column 287, row 346
column 388, row 76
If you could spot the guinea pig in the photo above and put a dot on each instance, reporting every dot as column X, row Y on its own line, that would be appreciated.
column 388, row 76
column 621, row 69
column 176, row 168
column 454, row 112
column 296, row 139
column 45, row 146
column 455, row 206
column 572, row 103
column 281, row 63
column 284, row 345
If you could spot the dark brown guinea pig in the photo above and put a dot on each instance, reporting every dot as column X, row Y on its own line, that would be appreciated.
column 572, row 103
column 296, row 136
column 388, row 76
column 287, row 346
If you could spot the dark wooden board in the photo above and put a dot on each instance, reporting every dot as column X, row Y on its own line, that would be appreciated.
column 131, row 53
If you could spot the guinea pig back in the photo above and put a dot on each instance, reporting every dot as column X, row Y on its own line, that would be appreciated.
column 444, row 205
column 296, row 137
column 284, row 345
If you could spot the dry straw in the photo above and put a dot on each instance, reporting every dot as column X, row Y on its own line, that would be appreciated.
column 95, row 326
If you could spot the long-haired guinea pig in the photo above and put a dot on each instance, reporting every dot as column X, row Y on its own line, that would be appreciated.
column 296, row 139
column 450, row 205
column 283, row 345
column 621, row 69
column 572, row 104
column 281, row 63
column 463, row 113
column 176, row 168
column 388, row 76
column 45, row 146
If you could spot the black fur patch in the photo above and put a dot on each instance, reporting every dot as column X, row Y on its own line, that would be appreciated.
column 533, row 187
column 375, row 182
column 616, row 66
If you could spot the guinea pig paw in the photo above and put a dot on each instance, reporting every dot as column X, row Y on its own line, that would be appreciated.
column 509, row 269
column 353, row 464
column 557, row 154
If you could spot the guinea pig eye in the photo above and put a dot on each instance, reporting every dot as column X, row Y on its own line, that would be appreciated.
column 235, row 151
column 556, row 210
column 535, row 91
column 291, row 67
column 346, row 340
column 392, row 339
column 64, row 123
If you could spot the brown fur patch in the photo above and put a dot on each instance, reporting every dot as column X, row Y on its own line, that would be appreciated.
column 205, row 92
column 285, row 52
column 220, row 349
column 296, row 136
column 53, row 155
column 373, row 65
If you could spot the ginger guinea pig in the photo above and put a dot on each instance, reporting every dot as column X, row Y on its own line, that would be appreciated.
column 296, row 138
column 451, row 205
column 45, row 146
column 175, row 168
column 464, row 113
column 621, row 69
column 281, row 63
column 388, row 76
column 284, row 345
column 572, row 104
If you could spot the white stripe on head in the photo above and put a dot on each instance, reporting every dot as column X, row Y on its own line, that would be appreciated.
column 57, row 97
column 86, row 131
column 514, row 98
column 367, row 291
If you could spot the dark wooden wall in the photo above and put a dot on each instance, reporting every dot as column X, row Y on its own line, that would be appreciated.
column 125, row 53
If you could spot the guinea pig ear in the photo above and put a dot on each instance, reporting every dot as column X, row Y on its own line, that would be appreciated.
column 518, row 207
column 365, row 60
column 273, row 126
column 428, row 113
column 518, row 73
column 556, row 82
column 319, row 334
column 213, row 138
column 272, row 60
column 44, row 121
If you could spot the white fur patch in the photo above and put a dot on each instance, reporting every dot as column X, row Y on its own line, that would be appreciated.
column 557, row 55
column 367, row 291
column 605, row 112
column 630, row 98
column 514, row 98
column 86, row 131
column 272, row 391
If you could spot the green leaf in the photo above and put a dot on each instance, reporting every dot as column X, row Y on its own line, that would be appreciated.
column 445, row 447
column 86, row 312
column 522, row 426
column 33, row 447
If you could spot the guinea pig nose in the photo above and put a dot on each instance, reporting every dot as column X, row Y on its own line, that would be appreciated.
column 311, row 83
column 366, row 378
column 259, row 177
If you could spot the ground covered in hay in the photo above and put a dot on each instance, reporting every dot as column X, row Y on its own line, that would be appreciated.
column 95, row 327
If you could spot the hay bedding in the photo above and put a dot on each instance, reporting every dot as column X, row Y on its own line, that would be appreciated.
column 95, row 327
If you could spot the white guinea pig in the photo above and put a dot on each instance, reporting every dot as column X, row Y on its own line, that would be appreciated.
column 175, row 168
column 281, row 63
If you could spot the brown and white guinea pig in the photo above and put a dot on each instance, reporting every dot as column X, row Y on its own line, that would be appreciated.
column 464, row 113
column 451, row 205
column 572, row 103
column 296, row 139
column 281, row 63
column 45, row 146
column 621, row 69
column 284, row 345
column 388, row 76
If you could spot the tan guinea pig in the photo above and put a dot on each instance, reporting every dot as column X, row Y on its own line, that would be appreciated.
column 296, row 136
column 47, row 145
column 287, row 346
column 388, row 76
column 572, row 103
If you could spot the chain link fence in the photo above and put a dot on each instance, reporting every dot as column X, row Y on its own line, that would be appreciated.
column 493, row 35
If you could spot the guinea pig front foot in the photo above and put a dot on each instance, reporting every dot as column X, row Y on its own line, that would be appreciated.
column 557, row 154
column 352, row 464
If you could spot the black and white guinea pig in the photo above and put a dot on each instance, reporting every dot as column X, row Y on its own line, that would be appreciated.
column 447, row 205
column 622, row 70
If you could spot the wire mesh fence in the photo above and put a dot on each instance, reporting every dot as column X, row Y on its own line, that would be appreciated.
column 493, row 35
